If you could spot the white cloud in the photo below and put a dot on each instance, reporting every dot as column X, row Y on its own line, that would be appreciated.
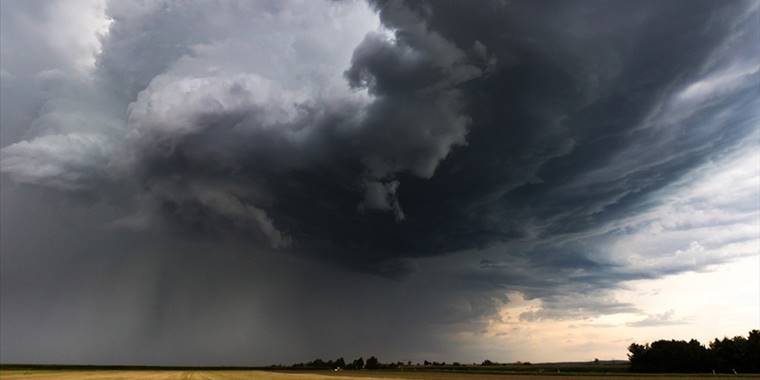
column 715, row 85
column 175, row 106
column 68, row 33
column 710, row 217
column 68, row 162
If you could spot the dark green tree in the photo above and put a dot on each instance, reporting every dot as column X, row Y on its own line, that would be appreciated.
column 725, row 355
column 358, row 364
column 752, row 359
column 372, row 363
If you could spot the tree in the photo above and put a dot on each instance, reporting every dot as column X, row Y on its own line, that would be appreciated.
column 358, row 363
column 725, row 355
column 339, row 362
column 752, row 358
column 372, row 363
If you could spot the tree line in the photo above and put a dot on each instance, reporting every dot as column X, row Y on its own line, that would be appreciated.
column 727, row 355
column 340, row 363
column 371, row 363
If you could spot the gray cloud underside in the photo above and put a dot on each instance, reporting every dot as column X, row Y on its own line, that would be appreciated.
column 400, row 182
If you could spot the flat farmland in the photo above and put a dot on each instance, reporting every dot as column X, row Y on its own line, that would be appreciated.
column 346, row 375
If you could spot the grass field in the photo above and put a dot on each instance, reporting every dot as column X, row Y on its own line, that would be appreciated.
column 263, row 375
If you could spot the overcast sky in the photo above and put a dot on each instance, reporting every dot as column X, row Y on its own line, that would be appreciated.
column 257, row 182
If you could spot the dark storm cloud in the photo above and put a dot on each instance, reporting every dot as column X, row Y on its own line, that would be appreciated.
column 458, row 153
column 534, row 138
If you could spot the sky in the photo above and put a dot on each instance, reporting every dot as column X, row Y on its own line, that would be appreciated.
column 259, row 182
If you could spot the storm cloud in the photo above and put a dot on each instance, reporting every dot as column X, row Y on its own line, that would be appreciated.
column 342, row 177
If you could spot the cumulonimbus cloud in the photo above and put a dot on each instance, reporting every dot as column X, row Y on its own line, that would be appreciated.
column 385, row 137
column 437, row 141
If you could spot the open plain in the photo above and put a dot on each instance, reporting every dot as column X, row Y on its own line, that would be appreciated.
column 346, row 375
